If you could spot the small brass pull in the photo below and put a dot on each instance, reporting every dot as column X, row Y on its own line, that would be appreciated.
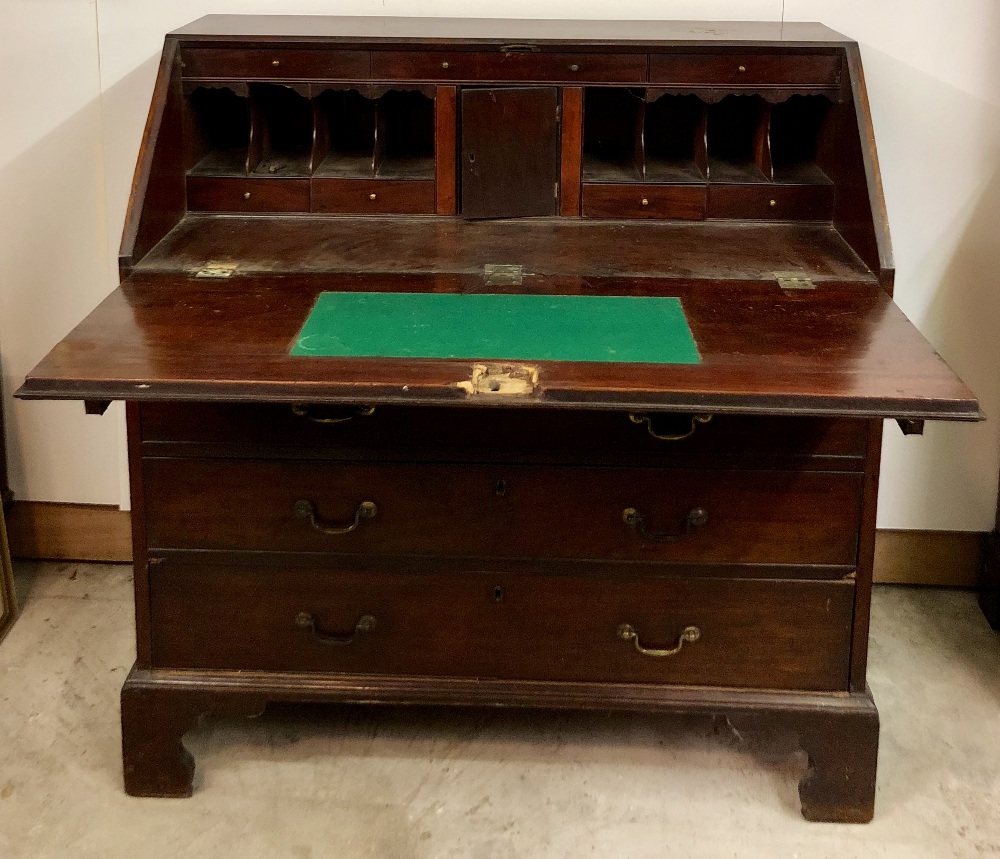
column 246, row 195
column 305, row 510
column 444, row 65
column 302, row 411
column 304, row 620
column 275, row 62
column 372, row 196
column 696, row 517
column 648, row 421
column 690, row 634
column 773, row 203
column 645, row 201
column 743, row 68
column 574, row 67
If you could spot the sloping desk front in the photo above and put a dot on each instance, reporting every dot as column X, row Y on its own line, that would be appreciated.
column 536, row 525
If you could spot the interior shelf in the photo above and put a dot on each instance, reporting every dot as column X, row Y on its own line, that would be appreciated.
column 737, row 139
column 796, row 135
column 612, row 135
column 674, row 140
column 282, row 131
column 404, row 136
column 345, row 138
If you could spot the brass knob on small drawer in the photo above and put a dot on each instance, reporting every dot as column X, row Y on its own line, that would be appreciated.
column 773, row 203
column 372, row 196
column 574, row 68
column 743, row 69
column 275, row 62
column 645, row 202
column 246, row 195
column 444, row 65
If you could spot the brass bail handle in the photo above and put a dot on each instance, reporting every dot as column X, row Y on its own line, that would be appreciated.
column 690, row 634
column 648, row 421
column 306, row 510
column 303, row 411
column 695, row 518
column 304, row 620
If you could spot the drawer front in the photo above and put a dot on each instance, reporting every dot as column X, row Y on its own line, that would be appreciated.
column 765, row 634
column 745, row 70
column 685, row 202
column 275, row 63
column 373, row 196
column 516, row 66
column 247, row 195
column 771, row 202
column 627, row 514
column 533, row 435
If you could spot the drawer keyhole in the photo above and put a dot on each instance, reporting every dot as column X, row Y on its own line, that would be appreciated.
column 497, row 594
column 501, row 488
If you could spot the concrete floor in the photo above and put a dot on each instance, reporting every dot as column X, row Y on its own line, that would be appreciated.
column 349, row 782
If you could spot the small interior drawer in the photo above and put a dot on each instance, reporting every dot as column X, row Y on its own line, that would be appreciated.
column 647, row 515
column 745, row 69
column 771, row 202
column 683, row 202
column 765, row 634
column 508, row 66
column 373, row 196
column 218, row 194
column 275, row 63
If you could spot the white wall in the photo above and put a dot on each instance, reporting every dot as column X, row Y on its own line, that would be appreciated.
column 929, row 66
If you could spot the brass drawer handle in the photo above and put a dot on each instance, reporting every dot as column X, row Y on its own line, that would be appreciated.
column 696, row 517
column 305, row 510
column 303, row 411
column 304, row 620
column 690, row 634
column 648, row 421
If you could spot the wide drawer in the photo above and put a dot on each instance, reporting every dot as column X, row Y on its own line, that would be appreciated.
column 683, row 202
column 508, row 66
column 771, row 202
column 373, row 196
column 275, row 63
column 626, row 514
column 745, row 69
column 247, row 195
column 764, row 634
column 496, row 434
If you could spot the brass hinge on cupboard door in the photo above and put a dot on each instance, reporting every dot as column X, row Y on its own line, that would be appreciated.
column 558, row 113
column 555, row 190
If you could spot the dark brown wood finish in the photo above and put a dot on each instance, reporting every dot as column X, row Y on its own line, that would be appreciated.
column 517, row 549
column 845, row 351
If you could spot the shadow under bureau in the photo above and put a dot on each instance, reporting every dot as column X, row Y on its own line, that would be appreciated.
column 561, row 514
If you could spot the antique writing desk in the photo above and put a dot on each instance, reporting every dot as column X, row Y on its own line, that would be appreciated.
column 607, row 436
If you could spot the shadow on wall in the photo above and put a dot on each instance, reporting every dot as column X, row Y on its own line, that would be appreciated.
column 940, row 157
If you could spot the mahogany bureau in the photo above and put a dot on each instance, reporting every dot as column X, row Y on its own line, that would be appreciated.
column 498, row 529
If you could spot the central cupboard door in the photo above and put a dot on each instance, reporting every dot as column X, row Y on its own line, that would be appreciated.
column 510, row 152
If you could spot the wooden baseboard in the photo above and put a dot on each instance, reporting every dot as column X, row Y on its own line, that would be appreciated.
column 951, row 558
column 70, row 532
column 87, row 532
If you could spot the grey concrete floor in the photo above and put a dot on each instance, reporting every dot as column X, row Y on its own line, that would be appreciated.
column 351, row 782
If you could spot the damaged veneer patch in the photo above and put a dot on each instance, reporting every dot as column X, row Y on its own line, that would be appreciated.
column 501, row 380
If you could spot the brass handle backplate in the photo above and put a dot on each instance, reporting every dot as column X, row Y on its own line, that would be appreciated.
column 303, row 411
column 306, row 510
column 304, row 620
column 648, row 421
column 695, row 517
column 690, row 634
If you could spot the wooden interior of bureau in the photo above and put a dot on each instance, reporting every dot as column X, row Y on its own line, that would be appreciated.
column 485, row 532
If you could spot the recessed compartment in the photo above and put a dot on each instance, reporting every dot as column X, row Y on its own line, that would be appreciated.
column 282, row 136
column 797, row 127
column 612, row 134
column 674, row 139
column 219, row 130
column 404, row 139
column 737, row 137
column 345, row 134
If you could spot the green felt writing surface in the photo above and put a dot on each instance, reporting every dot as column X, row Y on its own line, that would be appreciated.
column 604, row 328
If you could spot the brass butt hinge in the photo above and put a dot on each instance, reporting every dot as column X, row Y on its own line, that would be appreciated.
column 793, row 280
column 558, row 113
column 217, row 269
column 555, row 189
